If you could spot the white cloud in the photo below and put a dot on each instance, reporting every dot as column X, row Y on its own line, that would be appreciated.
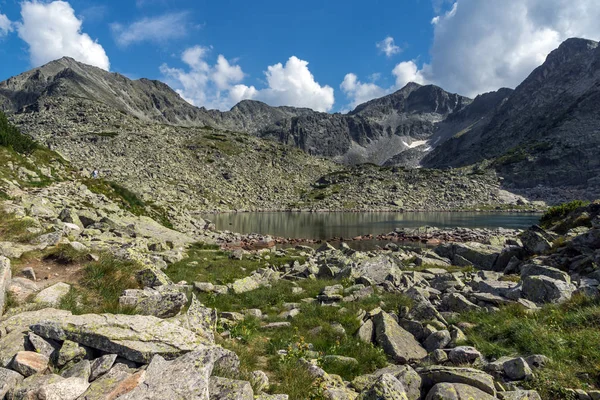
column 156, row 29
column 53, row 31
column 407, row 71
column 6, row 25
column 219, row 86
column 202, row 84
column 388, row 46
column 481, row 46
column 360, row 92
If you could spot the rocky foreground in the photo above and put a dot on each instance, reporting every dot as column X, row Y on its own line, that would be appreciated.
column 389, row 324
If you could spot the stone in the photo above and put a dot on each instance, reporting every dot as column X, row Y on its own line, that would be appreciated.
column 67, row 389
column 537, row 360
column 28, row 389
column 259, row 381
column 464, row 355
column 163, row 303
column 244, row 285
column 134, row 337
column 17, row 328
column 534, row 242
column 205, row 287
column 70, row 351
column 395, row 341
column 152, row 277
column 119, row 381
column 81, row 370
column 186, row 377
column 230, row 389
column 385, row 387
column 200, row 319
column 21, row 288
column 437, row 356
column 48, row 239
column 340, row 360
column 29, row 363
column 542, row 289
column 42, row 346
column 376, row 270
column 366, row 333
column 517, row 369
column 8, row 381
column 519, row 395
column 457, row 391
column 51, row 296
column 542, row 270
column 437, row 340
column 456, row 302
column 405, row 374
column 28, row 273
column 101, row 365
column 277, row 325
column 5, row 278
column 442, row 374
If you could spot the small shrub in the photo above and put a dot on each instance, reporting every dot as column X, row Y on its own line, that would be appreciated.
column 556, row 213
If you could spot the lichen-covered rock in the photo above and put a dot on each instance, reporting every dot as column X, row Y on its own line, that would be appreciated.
column 186, row 377
column 520, row 395
column 517, row 369
column 395, row 341
column 70, row 351
column 5, row 278
column 259, row 381
column 464, row 355
column 8, row 381
column 535, row 242
column 119, row 381
column 29, row 363
column 28, row 389
column 230, row 389
column 152, row 277
column 134, row 337
column 376, row 270
column 386, row 387
column 101, row 365
column 405, row 374
column 437, row 340
column 457, row 391
column 82, row 369
column 244, row 285
column 441, row 374
column 456, row 302
column 542, row 289
column 67, row 389
column 43, row 346
column 199, row 319
column 162, row 303
column 542, row 270
column 51, row 296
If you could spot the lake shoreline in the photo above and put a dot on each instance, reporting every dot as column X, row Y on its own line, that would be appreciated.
column 383, row 210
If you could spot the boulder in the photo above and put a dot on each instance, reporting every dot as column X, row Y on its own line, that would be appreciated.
column 134, row 337
column 119, row 381
column 542, row 270
column 51, row 296
column 441, row 374
column 395, row 341
column 82, row 369
column 28, row 389
column 244, row 285
column 223, row 389
column 5, row 278
column 101, row 365
column 456, row 302
column 437, row 340
column 21, row 288
column 66, row 389
column 29, row 363
column 534, row 242
column 259, row 381
column 464, row 355
column 457, row 391
column 405, row 374
column 366, row 332
column 520, row 395
column 385, row 387
column 375, row 270
column 70, row 351
column 186, row 377
column 200, row 320
column 517, row 369
column 8, row 381
column 43, row 346
column 152, row 277
column 164, row 303
column 542, row 289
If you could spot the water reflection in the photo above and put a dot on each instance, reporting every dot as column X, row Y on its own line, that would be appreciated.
column 348, row 225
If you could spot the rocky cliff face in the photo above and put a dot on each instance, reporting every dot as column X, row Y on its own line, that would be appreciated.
column 546, row 131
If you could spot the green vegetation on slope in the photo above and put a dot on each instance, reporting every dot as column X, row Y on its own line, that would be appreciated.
column 560, row 212
column 11, row 137
column 566, row 333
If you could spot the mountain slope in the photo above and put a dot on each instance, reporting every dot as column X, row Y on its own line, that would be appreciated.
column 547, row 131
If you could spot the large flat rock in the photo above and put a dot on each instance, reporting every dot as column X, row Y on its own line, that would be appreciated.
column 134, row 337
column 395, row 341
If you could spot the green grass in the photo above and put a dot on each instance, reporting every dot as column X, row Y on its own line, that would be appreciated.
column 101, row 285
column 557, row 213
column 11, row 137
column 14, row 229
column 566, row 333
column 65, row 254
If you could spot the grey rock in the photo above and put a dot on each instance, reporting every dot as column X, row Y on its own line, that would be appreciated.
column 517, row 369
column 8, row 381
column 135, row 337
column 101, row 365
column 152, row 277
column 457, row 391
column 464, row 355
column 468, row 376
column 535, row 242
column 230, row 389
column 52, row 296
column 366, row 333
column 520, row 395
column 81, row 370
column 437, row 340
column 259, row 381
column 385, row 387
column 5, row 278
column 376, row 270
column 395, row 341
column 456, row 302
column 542, row 289
column 70, row 351
column 542, row 270
column 405, row 374
column 67, row 389
column 43, row 346
column 163, row 303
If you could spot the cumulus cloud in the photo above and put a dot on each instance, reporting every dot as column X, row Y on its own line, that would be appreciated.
column 156, row 29
column 6, row 25
column 407, row 71
column 388, row 47
column 360, row 92
column 219, row 86
column 481, row 46
column 52, row 31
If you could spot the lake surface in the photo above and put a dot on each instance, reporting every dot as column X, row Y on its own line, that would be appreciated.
column 307, row 225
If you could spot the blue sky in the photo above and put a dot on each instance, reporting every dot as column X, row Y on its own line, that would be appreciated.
column 328, row 55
